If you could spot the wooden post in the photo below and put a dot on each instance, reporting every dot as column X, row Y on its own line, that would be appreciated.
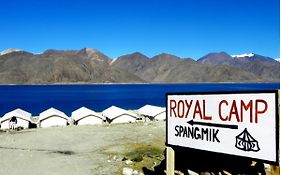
column 170, row 161
column 279, row 122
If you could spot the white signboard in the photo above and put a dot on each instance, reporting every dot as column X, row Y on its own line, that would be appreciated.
column 242, row 123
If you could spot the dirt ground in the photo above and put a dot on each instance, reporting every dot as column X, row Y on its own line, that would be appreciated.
column 83, row 150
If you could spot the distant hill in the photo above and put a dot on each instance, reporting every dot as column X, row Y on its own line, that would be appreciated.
column 165, row 68
column 265, row 68
column 92, row 66
column 55, row 66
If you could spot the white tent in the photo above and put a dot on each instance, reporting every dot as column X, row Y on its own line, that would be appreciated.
column 85, row 116
column 52, row 117
column 153, row 112
column 118, row 115
column 20, row 118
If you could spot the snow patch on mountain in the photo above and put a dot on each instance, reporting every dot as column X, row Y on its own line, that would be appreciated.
column 112, row 61
column 243, row 55
column 10, row 50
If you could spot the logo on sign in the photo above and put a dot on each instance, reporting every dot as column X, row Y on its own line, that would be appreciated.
column 245, row 142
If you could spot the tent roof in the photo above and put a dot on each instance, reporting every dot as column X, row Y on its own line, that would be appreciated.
column 245, row 135
column 17, row 113
column 83, row 112
column 150, row 110
column 113, row 112
column 50, row 112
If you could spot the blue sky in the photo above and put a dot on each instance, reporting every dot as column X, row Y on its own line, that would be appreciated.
column 187, row 28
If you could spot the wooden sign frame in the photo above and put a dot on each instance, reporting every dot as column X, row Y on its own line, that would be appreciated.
column 275, row 92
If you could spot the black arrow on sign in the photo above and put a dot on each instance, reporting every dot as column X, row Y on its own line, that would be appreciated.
column 191, row 122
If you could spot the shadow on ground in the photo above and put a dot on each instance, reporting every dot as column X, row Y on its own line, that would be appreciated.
column 213, row 163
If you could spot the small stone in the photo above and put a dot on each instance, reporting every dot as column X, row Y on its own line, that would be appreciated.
column 135, row 172
column 128, row 162
column 119, row 159
column 226, row 173
column 192, row 172
column 127, row 171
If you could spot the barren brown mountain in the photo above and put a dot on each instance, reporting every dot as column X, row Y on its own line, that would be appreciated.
column 91, row 66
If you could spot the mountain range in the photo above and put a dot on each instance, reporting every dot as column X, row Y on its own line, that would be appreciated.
column 92, row 66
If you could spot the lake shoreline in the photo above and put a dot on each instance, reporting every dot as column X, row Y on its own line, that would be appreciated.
column 54, row 84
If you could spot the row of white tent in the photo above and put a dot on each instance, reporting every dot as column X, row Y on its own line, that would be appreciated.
column 82, row 116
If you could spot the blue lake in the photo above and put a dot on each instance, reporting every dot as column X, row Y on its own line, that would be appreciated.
column 36, row 98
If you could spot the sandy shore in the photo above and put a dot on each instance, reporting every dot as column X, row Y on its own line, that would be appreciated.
column 83, row 150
